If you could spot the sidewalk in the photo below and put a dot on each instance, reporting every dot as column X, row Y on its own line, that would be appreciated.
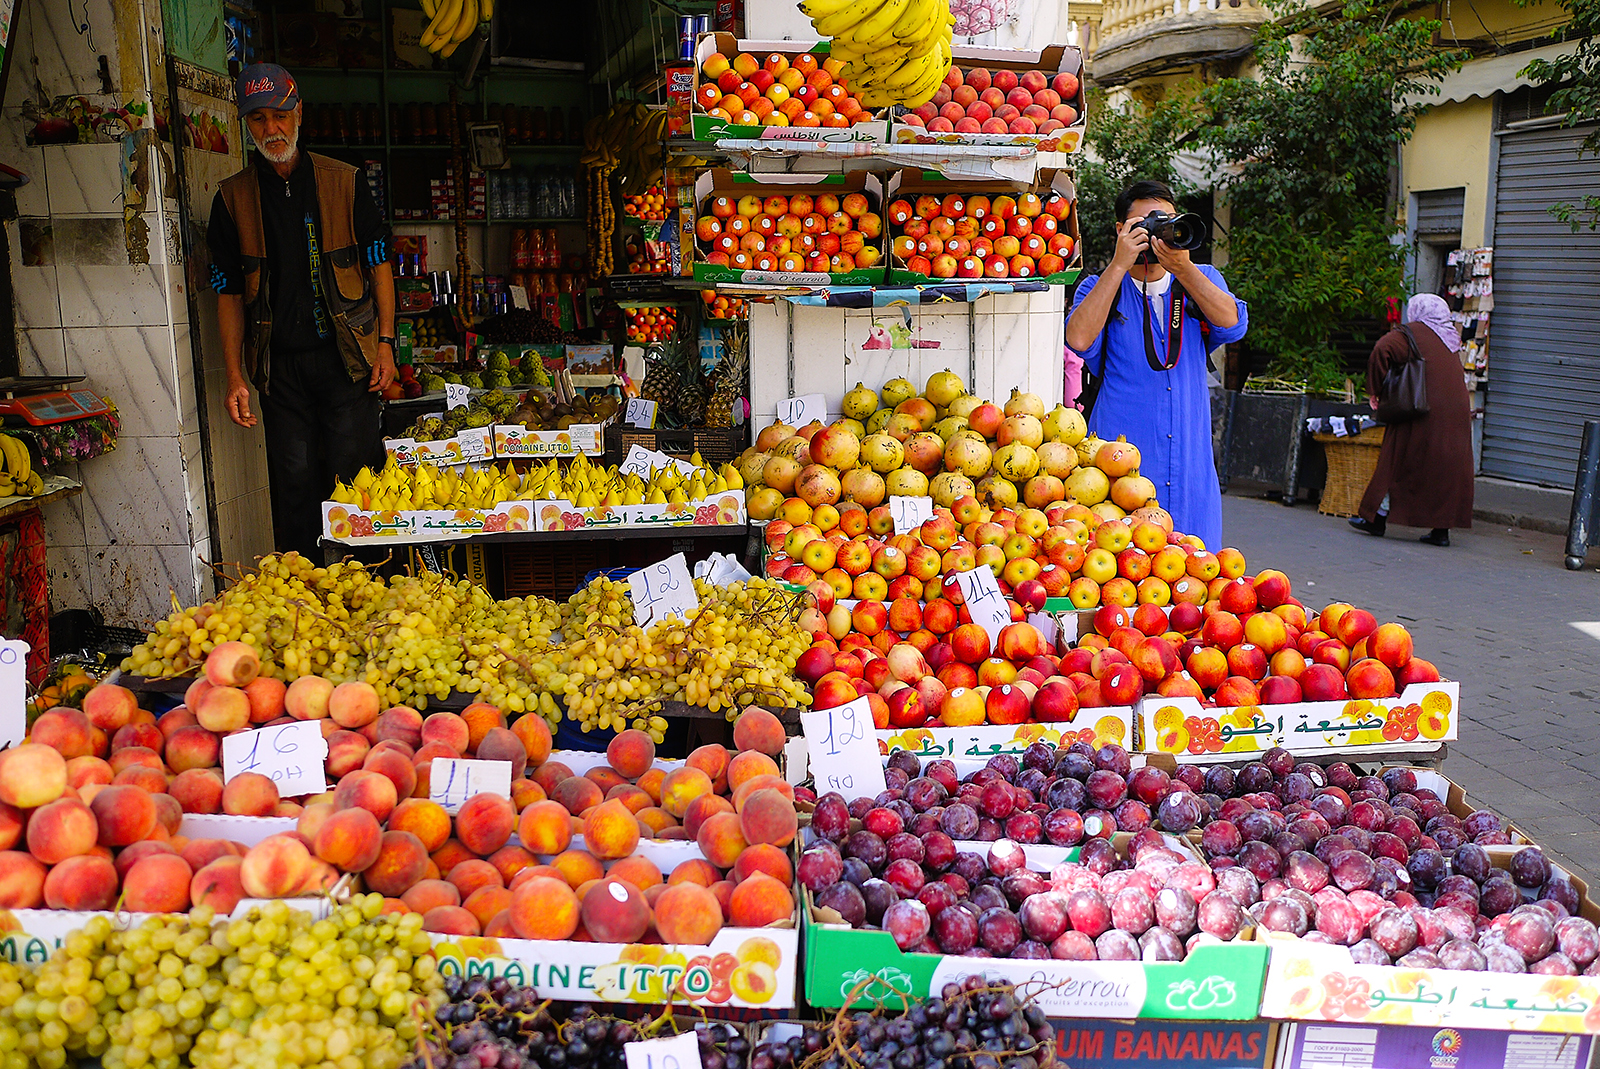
column 1533, row 508
column 1495, row 611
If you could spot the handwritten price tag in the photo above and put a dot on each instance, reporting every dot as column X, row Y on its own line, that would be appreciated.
column 640, row 461
column 291, row 755
column 13, row 690
column 985, row 602
column 474, row 444
column 640, row 413
column 682, row 1051
column 798, row 411
column 456, row 395
column 843, row 751
column 451, row 782
column 662, row 590
column 519, row 296
column 910, row 512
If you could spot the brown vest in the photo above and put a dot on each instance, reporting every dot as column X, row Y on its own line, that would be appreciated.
column 346, row 283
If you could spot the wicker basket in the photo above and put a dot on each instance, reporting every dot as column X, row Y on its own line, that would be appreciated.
column 1351, row 462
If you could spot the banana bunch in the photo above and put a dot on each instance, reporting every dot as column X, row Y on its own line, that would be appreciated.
column 453, row 22
column 896, row 51
column 17, row 477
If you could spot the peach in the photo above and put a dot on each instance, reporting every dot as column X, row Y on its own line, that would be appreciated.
column 544, row 908
column 401, row 862
column 446, row 728
column 64, row 828
column 577, row 867
column 450, row 920
column 402, row 724
column 199, row 790
column 427, row 820
column 158, row 884
column 549, row 774
column 219, row 885
column 501, row 744
column 749, row 764
column 614, row 911
column 578, row 793
column 610, row 831
column 140, row 776
column 130, row 856
column 606, row 778
column 347, row 750
column 534, row 734
column 721, row 839
column 761, row 783
column 481, row 718
column 763, row 858
column 533, row 872
column 372, row 791
column 682, row 786
column 349, row 839
column 312, row 818
column 232, row 664
column 631, row 753
column 266, row 698
column 525, row 792
column 177, row 717
column 545, row 828
column 1370, row 678
column 430, row 894
column 510, row 860
column 169, row 813
column 276, row 867
column 87, row 882
column 192, row 747
column 1390, row 644
column 499, row 926
column 650, row 782
column 484, row 823
column 12, row 822
column 711, row 759
column 768, row 817
column 630, row 796
column 124, row 815
column 703, row 807
column 639, row 871
column 131, row 756
column 68, row 731
column 354, row 704
column 140, row 737
column 82, row 770
column 473, row 873
column 656, row 821
column 394, row 765
column 307, row 698
column 486, row 903
column 760, row 901
column 757, row 729
column 109, row 707
column 284, row 808
column 22, row 879
column 250, row 794
column 688, row 913
column 223, row 709
column 695, row 870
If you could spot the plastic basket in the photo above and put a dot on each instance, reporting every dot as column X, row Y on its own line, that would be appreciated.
column 609, row 573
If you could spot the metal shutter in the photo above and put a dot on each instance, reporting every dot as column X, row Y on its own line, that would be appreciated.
column 1439, row 210
column 1544, row 368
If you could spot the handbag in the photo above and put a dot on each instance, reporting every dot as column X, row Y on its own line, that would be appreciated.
column 1405, row 387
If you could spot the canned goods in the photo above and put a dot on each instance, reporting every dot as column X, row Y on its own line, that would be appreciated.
column 688, row 25
column 702, row 24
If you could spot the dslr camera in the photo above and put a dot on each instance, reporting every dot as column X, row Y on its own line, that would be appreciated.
column 1186, row 231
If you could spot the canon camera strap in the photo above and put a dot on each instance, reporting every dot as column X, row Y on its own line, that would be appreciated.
column 1175, row 298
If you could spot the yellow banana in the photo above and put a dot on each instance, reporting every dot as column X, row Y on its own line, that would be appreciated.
column 842, row 20
column 914, row 21
column 468, row 23
column 868, row 34
column 444, row 20
column 485, row 10
column 910, row 72
column 429, row 7
column 820, row 9
column 883, row 63
column 18, row 460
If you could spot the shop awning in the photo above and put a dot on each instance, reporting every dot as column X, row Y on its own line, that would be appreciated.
column 1484, row 77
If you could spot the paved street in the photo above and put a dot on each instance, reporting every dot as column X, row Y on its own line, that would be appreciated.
column 1494, row 611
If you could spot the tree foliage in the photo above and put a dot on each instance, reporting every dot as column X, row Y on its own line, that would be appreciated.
column 1578, row 75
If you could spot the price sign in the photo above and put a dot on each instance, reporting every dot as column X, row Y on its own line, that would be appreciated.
column 13, row 690
column 798, row 411
column 474, row 444
column 456, row 395
column 662, row 590
column 843, row 751
column 985, row 602
column 291, row 755
column 682, row 1051
column 910, row 512
column 640, row 413
column 451, row 781
column 519, row 296
column 640, row 461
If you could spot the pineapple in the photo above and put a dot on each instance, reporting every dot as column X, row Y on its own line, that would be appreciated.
column 690, row 400
column 661, row 382
column 730, row 375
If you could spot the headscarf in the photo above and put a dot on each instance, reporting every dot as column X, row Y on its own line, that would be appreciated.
column 1431, row 310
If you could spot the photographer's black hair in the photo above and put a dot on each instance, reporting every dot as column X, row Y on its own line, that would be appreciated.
column 1143, row 189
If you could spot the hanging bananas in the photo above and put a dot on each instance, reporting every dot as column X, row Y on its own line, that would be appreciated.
column 895, row 51
column 17, row 477
column 453, row 21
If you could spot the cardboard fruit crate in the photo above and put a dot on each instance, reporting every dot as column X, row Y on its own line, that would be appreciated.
column 722, row 195
column 931, row 199
column 705, row 126
column 1052, row 62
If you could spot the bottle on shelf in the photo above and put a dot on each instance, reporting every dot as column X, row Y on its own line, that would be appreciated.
column 575, row 126
column 557, row 128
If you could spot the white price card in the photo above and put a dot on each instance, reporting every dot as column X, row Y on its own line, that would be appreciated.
column 989, row 608
column 13, row 690
column 640, row 413
column 291, row 755
column 798, row 411
column 663, row 589
column 519, row 296
column 475, row 446
column 843, row 751
column 456, row 394
column 910, row 512
column 452, row 781
column 681, row 1051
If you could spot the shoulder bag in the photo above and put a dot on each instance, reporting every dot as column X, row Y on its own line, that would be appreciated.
column 1405, row 387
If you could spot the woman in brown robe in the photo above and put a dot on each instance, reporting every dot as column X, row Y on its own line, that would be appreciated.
column 1424, row 476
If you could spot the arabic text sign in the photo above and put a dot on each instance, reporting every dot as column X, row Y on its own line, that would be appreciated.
column 681, row 1051
column 984, row 600
column 451, row 782
column 843, row 751
column 909, row 513
column 663, row 589
column 1317, row 1046
column 291, row 755
column 798, row 411
column 456, row 395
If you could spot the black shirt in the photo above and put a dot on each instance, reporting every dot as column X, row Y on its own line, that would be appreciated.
column 292, row 230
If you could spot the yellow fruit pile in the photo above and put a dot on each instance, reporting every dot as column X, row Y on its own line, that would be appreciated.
column 896, row 51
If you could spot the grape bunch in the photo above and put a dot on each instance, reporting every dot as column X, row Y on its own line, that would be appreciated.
column 971, row 1024
column 494, row 1024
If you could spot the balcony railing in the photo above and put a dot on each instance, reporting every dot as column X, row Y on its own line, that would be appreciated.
column 1137, row 37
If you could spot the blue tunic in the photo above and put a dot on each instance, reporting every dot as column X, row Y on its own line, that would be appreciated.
column 1166, row 414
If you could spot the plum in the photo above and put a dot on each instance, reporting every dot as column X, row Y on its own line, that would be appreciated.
column 879, row 896
column 1420, row 958
column 1034, row 781
column 1531, row 933
column 989, row 830
column 989, row 896
column 1179, row 811
column 1561, row 889
column 1004, row 765
column 1472, row 861
column 1149, row 784
column 867, row 846
column 1578, row 939
column 847, row 900
column 1239, row 884
column 1278, row 761
column 938, row 896
column 1480, row 821
column 1305, row 871
column 999, row 931
column 925, row 822
column 905, row 847
column 1116, row 945
column 1297, row 787
column 997, row 800
column 1176, row 910
column 1098, row 824
column 1040, row 756
column 1554, row 964
column 1427, row 868
column 1065, row 793
column 1006, row 857
column 904, row 761
column 1331, row 808
column 1220, row 780
column 908, row 921
column 1340, row 922
column 1024, row 827
column 925, row 792
column 905, row 876
column 1132, row 815
column 1098, row 856
column 1064, row 827
column 1221, row 838
column 1400, row 779
column 1020, row 885
column 1088, row 912
column 969, row 866
column 1368, row 952
column 1106, row 790
column 1221, row 916
column 896, row 779
column 1160, row 944
column 1387, row 844
column 1113, row 758
column 1044, row 916
column 938, row 851
column 1456, row 884
column 1395, row 931
column 1069, row 876
column 1284, row 914
column 1074, row 765
column 1351, row 870
column 1498, row 896
column 820, row 867
column 1499, row 957
column 831, row 817
column 856, row 871
column 1132, row 911
column 960, row 821
column 1073, row 946
column 955, row 930
column 1262, row 860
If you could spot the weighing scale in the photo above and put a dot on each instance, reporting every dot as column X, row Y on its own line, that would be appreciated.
column 43, row 402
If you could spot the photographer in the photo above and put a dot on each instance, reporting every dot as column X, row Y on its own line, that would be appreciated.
column 1153, row 385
